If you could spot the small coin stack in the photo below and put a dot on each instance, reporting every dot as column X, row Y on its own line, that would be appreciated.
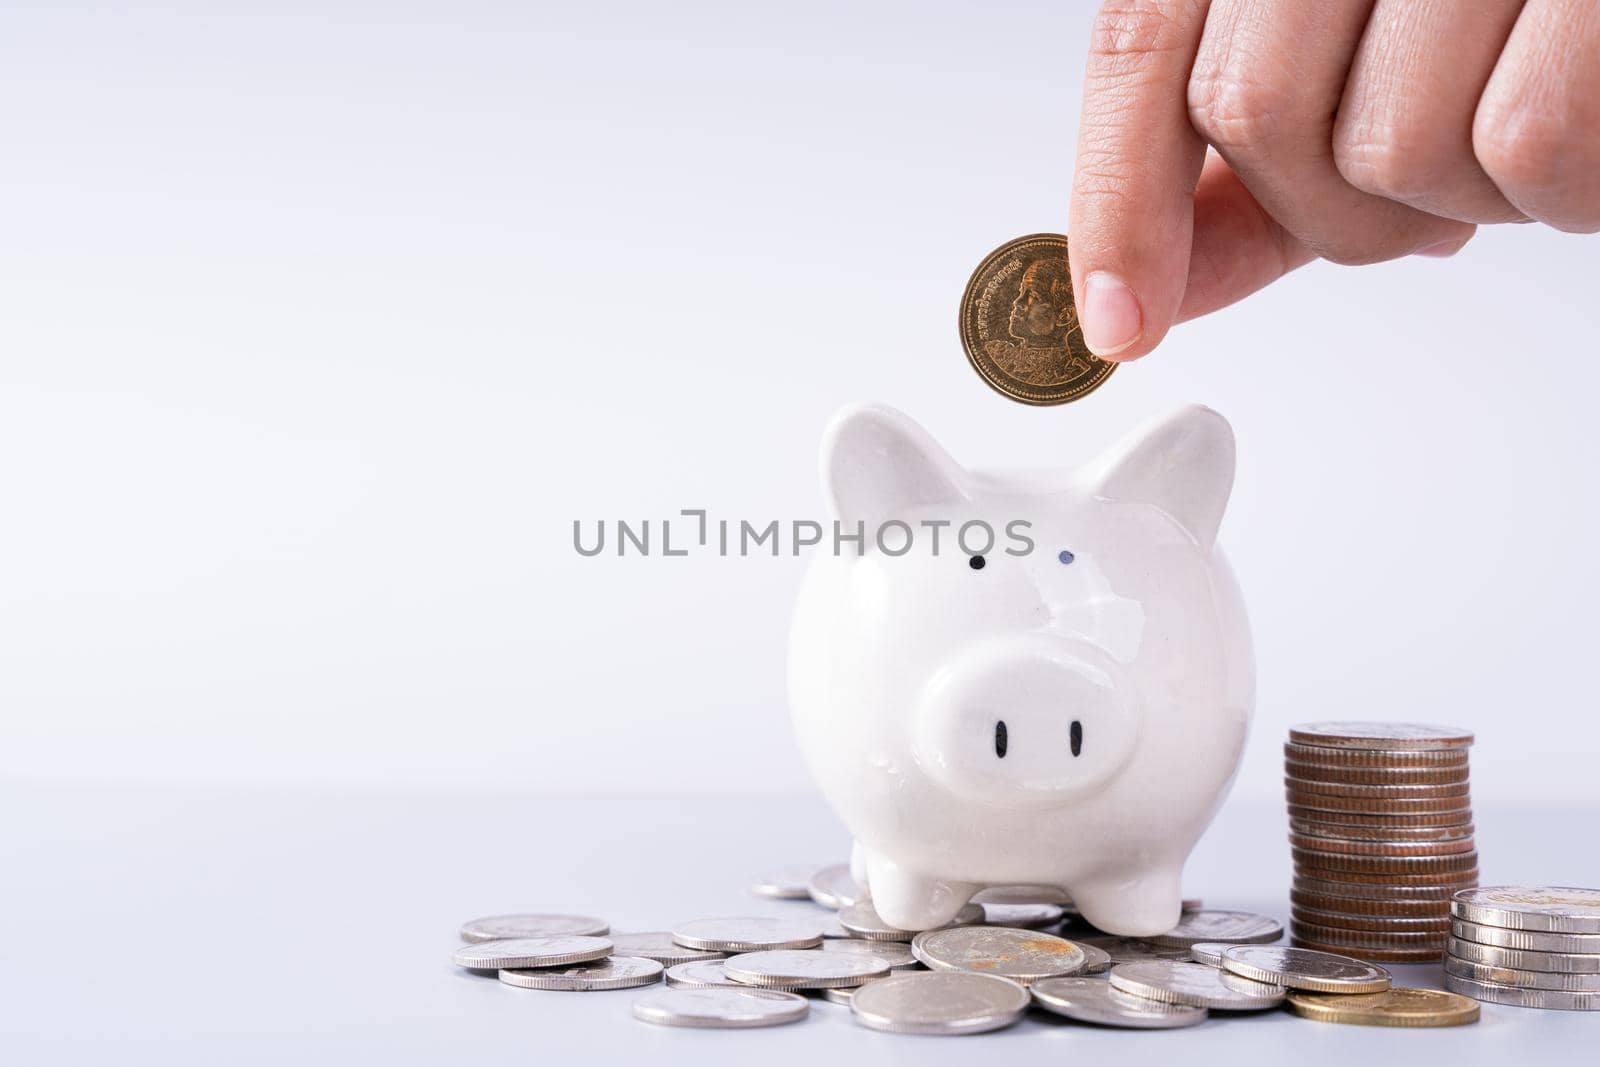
column 1380, row 828
column 1530, row 946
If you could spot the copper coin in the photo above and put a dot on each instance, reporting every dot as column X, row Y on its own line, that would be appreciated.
column 1334, row 886
column 1343, row 905
column 1374, row 955
column 1339, row 861
column 1370, row 757
column 1344, row 832
column 1382, row 791
column 1372, row 923
column 1300, row 798
column 1454, row 817
column 1381, row 848
column 1458, row 879
column 1379, row 735
column 1367, row 939
column 1318, row 772
column 1019, row 324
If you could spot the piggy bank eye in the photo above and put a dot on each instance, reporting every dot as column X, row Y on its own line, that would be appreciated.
column 1075, row 736
column 1065, row 556
column 1000, row 739
column 976, row 562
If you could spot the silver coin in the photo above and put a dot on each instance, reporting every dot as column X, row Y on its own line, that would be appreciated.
column 1557, row 909
column 1195, row 984
column 832, row 929
column 720, row 1007
column 1304, row 968
column 1522, row 998
column 1090, row 1000
column 863, row 920
column 614, row 972
column 496, row 927
column 1022, row 894
column 1021, row 955
column 897, row 954
column 949, row 1002
column 1031, row 916
column 1132, row 949
column 1209, row 952
column 1096, row 960
column 1235, row 927
column 1382, row 735
column 1536, row 940
column 658, row 945
column 832, row 887
column 748, row 933
column 785, row 883
column 1523, row 959
column 840, row 994
column 803, row 969
column 555, row 951
column 1574, row 983
column 698, row 975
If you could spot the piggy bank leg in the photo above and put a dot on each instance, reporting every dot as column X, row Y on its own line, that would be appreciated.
column 858, row 865
column 913, row 901
column 1143, row 905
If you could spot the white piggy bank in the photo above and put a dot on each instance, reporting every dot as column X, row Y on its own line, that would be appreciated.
column 1071, row 715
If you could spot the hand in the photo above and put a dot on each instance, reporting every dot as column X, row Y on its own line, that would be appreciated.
column 1353, row 130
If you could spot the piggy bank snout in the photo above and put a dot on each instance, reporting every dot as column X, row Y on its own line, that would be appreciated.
column 1025, row 723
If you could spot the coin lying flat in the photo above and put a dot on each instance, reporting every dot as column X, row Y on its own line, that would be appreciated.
column 785, row 883
column 832, row 887
column 614, row 972
column 1391, row 758
column 658, row 945
column 1303, row 968
column 1342, row 861
column 1236, row 927
column 1393, row 1007
column 1426, row 954
column 1524, row 959
column 1090, row 1000
column 1382, row 818
column 1019, row 324
column 698, row 975
column 1459, row 807
column 1574, row 983
column 1357, row 906
column 1372, row 923
column 1382, row 891
column 1386, row 735
column 1537, row 940
column 748, row 933
column 1209, row 952
column 947, row 1003
column 840, row 994
column 1345, row 846
column 1385, row 834
column 1096, row 960
column 1195, row 984
column 1395, row 879
column 1131, row 949
column 513, row 952
column 862, row 920
column 1032, row 916
column 496, row 927
column 1557, row 909
column 720, row 1008
column 803, row 969
column 1356, row 774
column 897, row 954
column 1304, row 931
column 1021, row 955
column 1379, row 791
column 1560, row 1000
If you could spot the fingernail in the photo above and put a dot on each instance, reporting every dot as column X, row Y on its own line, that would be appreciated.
column 1445, row 249
column 1110, row 314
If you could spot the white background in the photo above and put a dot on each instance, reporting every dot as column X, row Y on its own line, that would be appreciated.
column 321, row 322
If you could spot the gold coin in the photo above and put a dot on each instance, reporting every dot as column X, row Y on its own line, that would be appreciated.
column 1392, row 1007
column 1019, row 324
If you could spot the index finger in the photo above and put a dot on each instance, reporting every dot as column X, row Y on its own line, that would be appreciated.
column 1132, row 215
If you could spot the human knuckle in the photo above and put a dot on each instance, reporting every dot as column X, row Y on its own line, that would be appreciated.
column 1233, row 109
column 1388, row 158
column 1524, row 152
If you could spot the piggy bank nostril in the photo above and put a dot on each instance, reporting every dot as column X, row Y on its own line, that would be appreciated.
column 1000, row 739
column 1075, row 735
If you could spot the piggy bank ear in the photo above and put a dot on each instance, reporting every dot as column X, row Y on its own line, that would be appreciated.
column 877, row 463
column 1182, row 463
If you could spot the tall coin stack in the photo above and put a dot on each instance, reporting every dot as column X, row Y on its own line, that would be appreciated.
column 1532, row 946
column 1380, row 827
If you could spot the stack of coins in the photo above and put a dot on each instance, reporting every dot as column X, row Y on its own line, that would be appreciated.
column 1532, row 946
column 1380, row 827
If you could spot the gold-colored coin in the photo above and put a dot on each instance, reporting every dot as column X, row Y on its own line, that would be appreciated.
column 1392, row 1007
column 1019, row 324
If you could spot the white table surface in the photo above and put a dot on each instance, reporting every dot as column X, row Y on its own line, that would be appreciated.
column 207, row 927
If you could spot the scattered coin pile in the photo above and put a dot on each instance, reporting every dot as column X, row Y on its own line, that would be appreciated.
column 1534, row 947
column 982, row 972
column 1380, row 828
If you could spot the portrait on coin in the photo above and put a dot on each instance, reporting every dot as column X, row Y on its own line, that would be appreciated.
column 1043, row 316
